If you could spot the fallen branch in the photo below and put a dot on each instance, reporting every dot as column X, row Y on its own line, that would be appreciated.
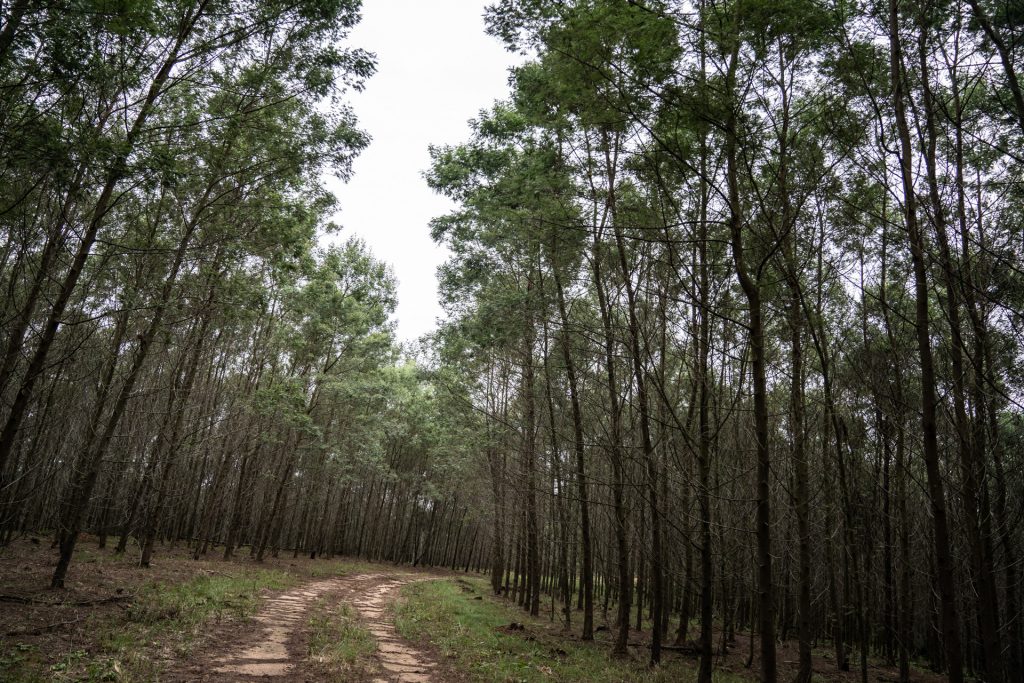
column 18, row 599
column 25, row 600
column 99, row 601
column 685, row 649
column 41, row 629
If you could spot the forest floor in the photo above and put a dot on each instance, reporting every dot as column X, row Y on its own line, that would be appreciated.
column 296, row 619
column 287, row 619
column 486, row 638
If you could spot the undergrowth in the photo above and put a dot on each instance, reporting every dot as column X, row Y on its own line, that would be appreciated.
column 174, row 614
column 472, row 631
column 160, row 624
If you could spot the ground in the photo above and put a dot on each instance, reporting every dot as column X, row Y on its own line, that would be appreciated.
column 298, row 619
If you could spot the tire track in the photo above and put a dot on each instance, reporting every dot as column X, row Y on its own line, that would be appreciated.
column 272, row 646
column 400, row 661
column 280, row 618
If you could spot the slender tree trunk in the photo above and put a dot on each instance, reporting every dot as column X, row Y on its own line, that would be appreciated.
column 497, row 535
column 943, row 555
column 579, row 448
column 1005, row 57
column 80, row 490
column 178, row 404
column 530, row 461
column 558, row 491
column 615, row 450
column 801, row 493
column 650, row 460
column 68, row 286
column 752, row 290
column 14, row 18
column 971, row 460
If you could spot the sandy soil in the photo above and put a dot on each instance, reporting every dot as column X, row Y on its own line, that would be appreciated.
column 399, row 660
column 273, row 645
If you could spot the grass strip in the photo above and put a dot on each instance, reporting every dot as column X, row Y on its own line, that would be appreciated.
column 338, row 645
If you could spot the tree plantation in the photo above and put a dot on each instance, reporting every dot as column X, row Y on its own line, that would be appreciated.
column 732, row 359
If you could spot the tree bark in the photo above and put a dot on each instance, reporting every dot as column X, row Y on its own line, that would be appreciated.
column 579, row 448
column 943, row 556
column 752, row 290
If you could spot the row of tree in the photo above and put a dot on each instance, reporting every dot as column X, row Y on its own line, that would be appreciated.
column 736, row 298
column 735, row 309
column 179, row 359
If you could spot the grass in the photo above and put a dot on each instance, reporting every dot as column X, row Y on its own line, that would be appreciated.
column 174, row 614
column 165, row 615
column 192, row 603
column 21, row 663
column 173, row 604
column 471, row 631
column 327, row 568
column 338, row 645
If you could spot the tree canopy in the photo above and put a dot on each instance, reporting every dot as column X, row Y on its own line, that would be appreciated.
column 733, row 315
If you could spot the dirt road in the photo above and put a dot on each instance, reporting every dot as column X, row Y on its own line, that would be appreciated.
column 274, row 645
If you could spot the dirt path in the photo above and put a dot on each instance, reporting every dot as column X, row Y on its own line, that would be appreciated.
column 274, row 645
column 400, row 661
column 280, row 618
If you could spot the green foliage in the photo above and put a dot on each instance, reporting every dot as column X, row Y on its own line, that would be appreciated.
column 176, row 614
column 186, row 606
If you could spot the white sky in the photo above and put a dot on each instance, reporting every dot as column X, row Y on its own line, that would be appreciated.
column 436, row 69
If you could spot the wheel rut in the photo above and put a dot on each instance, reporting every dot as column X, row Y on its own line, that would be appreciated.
column 400, row 661
column 279, row 619
column 273, row 645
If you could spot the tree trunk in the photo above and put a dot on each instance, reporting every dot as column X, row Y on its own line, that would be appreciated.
column 752, row 290
column 943, row 555
column 587, row 580
column 99, row 213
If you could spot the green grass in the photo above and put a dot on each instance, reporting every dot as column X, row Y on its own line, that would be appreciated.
column 162, row 622
column 168, row 616
column 326, row 568
column 470, row 633
column 338, row 645
column 21, row 663
column 174, row 614
column 189, row 604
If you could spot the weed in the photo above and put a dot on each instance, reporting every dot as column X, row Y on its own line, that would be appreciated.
column 170, row 615
column 20, row 663
column 473, row 634
column 337, row 643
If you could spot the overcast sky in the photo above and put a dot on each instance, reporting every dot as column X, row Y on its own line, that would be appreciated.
column 436, row 69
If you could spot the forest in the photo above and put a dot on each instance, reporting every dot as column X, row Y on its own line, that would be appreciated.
column 732, row 354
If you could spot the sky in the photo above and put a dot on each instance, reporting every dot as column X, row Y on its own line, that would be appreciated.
column 436, row 69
